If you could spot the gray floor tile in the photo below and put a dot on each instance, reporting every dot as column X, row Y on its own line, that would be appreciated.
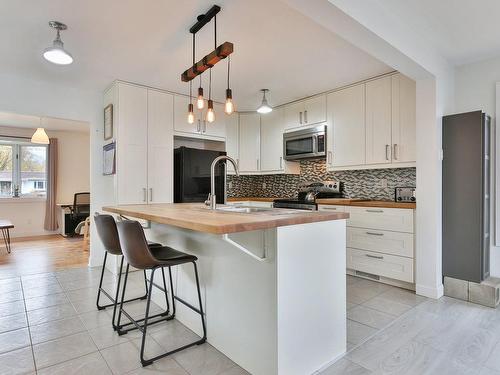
column 11, row 308
column 38, row 277
column 10, row 285
column 164, row 366
column 45, row 301
column 350, row 305
column 42, row 291
column 203, row 360
column 90, row 364
column 389, row 306
column 125, row 357
column 48, row 314
column 63, row 349
column 172, row 334
column 97, row 318
column 12, row 340
column 236, row 370
column 15, row 295
column 403, row 296
column 104, row 337
column 352, row 279
column 86, row 305
column 345, row 367
column 370, row 317
column 13, row 322
column 358, row 294
column 488, row 371
column 17, row 362
column 38, row 283
column 493, row 361
column 55, row 329
column 357, row 332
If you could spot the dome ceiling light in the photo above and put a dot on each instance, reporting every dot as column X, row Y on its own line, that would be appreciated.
column 56, row 53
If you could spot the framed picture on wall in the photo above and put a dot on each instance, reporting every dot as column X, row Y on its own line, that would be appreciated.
column 108, row 122
column 108, row 159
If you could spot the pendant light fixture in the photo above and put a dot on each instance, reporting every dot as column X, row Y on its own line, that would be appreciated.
column 39, row 136
column 208, row 62
column 56, row 53
column 264, row 106
column 210, row 109
column 228, row 106
column 190, row 106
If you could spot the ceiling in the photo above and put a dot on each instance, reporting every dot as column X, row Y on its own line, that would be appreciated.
column 147, row 42
column 50, row 123
column 463, row 31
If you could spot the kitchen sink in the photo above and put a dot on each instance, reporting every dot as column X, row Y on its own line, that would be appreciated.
column 245, row 209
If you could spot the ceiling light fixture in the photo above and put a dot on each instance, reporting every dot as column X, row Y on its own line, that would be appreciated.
column 39, row 136
column 264, row 106
column 197, row 68
column 56, row 53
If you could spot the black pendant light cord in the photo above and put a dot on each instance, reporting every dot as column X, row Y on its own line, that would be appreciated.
column 215, row 31
column 228, row 69
column 210, row 84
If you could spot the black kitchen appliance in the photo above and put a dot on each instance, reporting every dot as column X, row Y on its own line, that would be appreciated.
column 308, row 193
column 405, row 194
column 466, row 196
column 192, row 175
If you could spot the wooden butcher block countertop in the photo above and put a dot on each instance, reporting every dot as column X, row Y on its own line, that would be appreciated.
column 197, row 217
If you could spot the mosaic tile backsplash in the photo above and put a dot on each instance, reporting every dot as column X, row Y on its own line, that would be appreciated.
column 364, row 184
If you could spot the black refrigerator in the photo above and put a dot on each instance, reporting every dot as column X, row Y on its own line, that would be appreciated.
column 192, row 175
column 466, row 196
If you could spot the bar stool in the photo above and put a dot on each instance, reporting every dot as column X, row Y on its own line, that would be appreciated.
column 141, row 256
column 106, row 229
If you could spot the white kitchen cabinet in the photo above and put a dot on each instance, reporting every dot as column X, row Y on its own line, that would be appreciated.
column 271, row 144
column 393, row 219
column 346, row 127
column 378, row 121
column 381, row 241
column 144, row 144
column 160, row 147
column 132, row 144
column 200, row 128
column 232, row 139
column 403, row 119
column 249, row 143
column 305, row 112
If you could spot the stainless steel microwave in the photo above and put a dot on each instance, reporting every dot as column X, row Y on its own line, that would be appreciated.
column 305, row 143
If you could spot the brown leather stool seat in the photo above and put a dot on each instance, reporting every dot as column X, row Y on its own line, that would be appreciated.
column 106, row 229
column 139, row 255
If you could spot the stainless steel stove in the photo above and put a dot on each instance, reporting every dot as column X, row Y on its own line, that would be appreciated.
column 308, row 193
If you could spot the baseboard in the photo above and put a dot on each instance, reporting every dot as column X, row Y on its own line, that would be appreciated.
column 430, row 292
column 329, row 363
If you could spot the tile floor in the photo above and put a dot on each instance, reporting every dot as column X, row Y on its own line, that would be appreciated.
column 49, row 325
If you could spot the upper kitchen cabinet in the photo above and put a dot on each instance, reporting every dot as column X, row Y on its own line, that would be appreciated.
column 200, row 128
column 249, row 143
column 144, row 141
column 403, row 119
column 271, row 144
column 378, row 121
column 160, row 146
column 305, row 112
column 346, row 128
column 232, row 139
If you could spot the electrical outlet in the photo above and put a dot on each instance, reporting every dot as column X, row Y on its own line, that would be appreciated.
column 264, row 185
column 383, row 183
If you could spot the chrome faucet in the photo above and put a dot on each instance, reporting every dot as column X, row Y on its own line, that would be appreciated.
column 212, row 199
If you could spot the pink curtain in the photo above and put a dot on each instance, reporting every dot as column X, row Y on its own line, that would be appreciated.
column 50, row 207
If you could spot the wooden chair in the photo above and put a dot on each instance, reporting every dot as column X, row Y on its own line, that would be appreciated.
column 5, row 226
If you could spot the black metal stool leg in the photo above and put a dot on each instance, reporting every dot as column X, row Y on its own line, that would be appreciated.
column 204, row 338
column 172, row 290
column 122, row 299
column 99, row 307
column 165, row 290
column 117, row 294
column 146, row 317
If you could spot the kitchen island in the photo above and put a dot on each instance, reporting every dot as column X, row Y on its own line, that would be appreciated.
column 273, row 281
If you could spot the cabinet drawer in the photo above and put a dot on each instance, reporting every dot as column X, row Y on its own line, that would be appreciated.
column 391, row 266
column 395, row 243
column 393, row 219
column 331, row 207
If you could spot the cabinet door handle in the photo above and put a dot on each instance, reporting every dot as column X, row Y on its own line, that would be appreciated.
column 305, row 116
column 281, row 162
column 198, row 128
column 144, row 194
column 330, row 157
column 374, row 256
column 150, row 194
column 376, row 211
column 300, row 117
column 387, row 148
column 329, row 208
column 396, row 151
column 375, row 234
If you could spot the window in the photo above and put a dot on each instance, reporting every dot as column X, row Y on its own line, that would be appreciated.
column 23, row 170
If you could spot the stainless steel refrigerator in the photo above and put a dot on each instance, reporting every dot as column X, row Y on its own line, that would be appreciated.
column 192, row 175
column 466, row 196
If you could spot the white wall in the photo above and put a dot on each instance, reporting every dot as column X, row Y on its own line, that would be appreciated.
column 73, row 176
column 475, row 90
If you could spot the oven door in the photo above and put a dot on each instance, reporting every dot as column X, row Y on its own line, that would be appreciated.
column 303, row 144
